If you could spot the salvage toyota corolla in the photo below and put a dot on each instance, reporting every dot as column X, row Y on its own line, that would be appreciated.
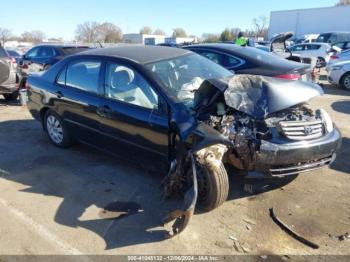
column 181, row 107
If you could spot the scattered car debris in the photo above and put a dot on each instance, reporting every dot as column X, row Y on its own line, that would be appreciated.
column 249, row 221
column 290, row 232
column 233, row 238
column 343, row 237
column 346, row 236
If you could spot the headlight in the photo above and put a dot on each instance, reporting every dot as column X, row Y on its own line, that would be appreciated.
column 337, row 67
column 326, row 120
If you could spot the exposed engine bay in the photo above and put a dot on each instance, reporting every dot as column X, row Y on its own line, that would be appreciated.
column 246, row 132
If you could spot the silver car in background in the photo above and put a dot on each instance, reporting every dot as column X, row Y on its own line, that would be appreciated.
column 339, row 74
column 8, row 87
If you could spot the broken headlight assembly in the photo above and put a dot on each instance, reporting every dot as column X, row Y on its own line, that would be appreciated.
column 327, row 121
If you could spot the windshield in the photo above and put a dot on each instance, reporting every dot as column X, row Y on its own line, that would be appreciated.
column 182, row 76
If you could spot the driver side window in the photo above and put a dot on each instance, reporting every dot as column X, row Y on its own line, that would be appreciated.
column 125, row 84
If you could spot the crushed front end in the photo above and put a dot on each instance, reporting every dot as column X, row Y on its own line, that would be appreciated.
column 272, row 128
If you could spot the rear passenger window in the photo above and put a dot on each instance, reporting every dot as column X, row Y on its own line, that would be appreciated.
column 232, row 62
column 84, row 75
column 215, row 57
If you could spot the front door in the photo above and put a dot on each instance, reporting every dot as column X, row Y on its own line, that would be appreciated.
column 134, row 117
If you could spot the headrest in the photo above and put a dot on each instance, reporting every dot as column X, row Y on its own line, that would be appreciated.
column 122, row 77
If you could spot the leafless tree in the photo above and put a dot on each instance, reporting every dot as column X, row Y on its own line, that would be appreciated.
column 343, row 2
column 159, row 32
column 146, row 30
column 235, row 31
column 210, row 38
column 179, row 32
column 35, row 36
column 109, row 33
column 260, row 26
column 87, row 32
column 5, row 35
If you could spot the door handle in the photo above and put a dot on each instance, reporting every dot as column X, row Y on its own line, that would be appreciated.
column 59, row 94
column 104, row 111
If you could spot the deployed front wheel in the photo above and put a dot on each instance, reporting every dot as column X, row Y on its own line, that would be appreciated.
column 213, row 187
column 56, row 131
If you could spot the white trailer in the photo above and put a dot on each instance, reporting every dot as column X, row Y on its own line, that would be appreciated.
column 310, row 21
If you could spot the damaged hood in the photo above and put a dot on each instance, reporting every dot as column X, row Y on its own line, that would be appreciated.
column 257, row 96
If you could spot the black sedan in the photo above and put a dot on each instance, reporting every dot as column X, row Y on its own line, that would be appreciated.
column 168, row 105
column 250, row 60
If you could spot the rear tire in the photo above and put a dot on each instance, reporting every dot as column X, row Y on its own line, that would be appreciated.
column 11, row 97
column 345, row 82
column 56, row 130
column 213, row 187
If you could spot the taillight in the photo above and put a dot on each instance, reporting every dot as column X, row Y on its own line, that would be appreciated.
column 13, row 60
column 334, row 57
column 290, row 76
column 24, row 66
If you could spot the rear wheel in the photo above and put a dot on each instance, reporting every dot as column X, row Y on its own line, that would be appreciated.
column 11, row 97
column 213, row 187
column 56, row 131
column 345, row 81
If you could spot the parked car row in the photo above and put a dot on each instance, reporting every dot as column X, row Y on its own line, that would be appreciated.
column 183, row 112
column 15, row 67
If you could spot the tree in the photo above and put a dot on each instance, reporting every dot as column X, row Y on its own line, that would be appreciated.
column 109, row 33
column 35, row 36
column 87, row 32
column 179, row 32
column 146, row 30
column 210, row 38
column 226, row 35
column 260, row 26
column 158, row 32
column 235, row 31
column 5, row 34
column 343, row 2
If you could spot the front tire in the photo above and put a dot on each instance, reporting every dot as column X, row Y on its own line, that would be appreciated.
column 345, row 81
column 213, row 187
column 56, row 130
column 11, row 97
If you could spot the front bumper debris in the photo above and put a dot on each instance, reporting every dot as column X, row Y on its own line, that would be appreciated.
column 183, row 216
column 278, row 159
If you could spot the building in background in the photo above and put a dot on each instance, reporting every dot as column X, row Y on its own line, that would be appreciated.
column 143, row 39
column 310, row 21
column 156, row 39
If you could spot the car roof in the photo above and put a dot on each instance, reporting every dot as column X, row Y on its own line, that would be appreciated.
column 137, row 53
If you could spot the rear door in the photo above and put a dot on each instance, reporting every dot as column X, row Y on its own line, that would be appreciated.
column 78, row 96
column 134, row 117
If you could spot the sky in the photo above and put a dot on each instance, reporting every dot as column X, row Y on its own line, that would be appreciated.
column 60, row 18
